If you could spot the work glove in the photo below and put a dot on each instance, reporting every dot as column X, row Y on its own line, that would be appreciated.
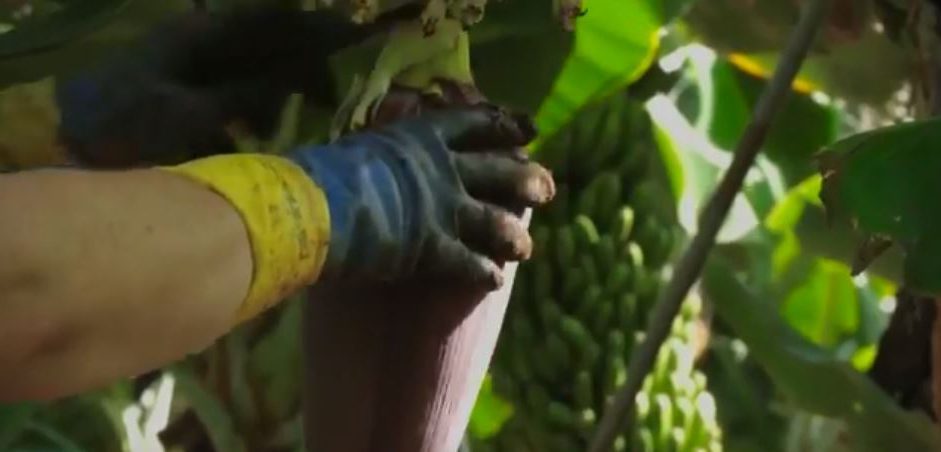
column 431, row 198
column 417, row 199
column 183, row 90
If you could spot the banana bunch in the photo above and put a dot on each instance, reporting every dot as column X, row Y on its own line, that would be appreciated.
column 580, row 304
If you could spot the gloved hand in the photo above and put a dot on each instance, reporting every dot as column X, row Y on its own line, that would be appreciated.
column 178, row 94
column 428, row 197
column 418, row 198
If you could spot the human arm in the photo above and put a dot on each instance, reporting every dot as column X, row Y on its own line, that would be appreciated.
column 389, row 205
column 411, row 230
column 109, row 274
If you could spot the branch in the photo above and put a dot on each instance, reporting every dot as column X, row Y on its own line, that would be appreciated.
column 691, row 263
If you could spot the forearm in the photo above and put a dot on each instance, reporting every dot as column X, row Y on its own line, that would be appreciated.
column 106, row 275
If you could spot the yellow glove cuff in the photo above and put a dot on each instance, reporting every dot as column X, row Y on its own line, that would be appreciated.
column 285, row 213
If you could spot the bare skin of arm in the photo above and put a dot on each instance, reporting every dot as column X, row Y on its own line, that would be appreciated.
column 105, row 275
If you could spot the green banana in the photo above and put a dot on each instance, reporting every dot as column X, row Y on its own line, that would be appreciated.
column 550, row 314
column 586, row 234
column 616, row 343
column 581, row 141
column 542, row 280
column 590, row 267
column 615, row 373
column 541, row 236
column 618, row 280
column 558, row 352
column 565, row 248
column 537, row 398
column 588, row 200
column 558, row 210
column 595, row 274
column 543, row 365
column 603, row 317
column 627, row 312
column 561, row 415
column 622, row 224
column 608, row 198
column 606, row 252
column 664, row 409
column 519, row 362
column 574, row 287
column 646, row 441
column 605, row 134
column 635, row 255
column 590, row 302
column 583, row 393
column 523, row 330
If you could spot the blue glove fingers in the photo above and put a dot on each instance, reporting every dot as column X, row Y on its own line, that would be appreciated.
column 483, row 128
column 493, row 231
column 505, row 180
column 455, row 262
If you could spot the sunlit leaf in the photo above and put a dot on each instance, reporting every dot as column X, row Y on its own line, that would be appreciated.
column 728, row 98
column 615, row 42
column 788, row 211
column 784, row 218
column 825, row 308
column 490, row 412
column 813, row 378
column 700, row 164
column 727, row 106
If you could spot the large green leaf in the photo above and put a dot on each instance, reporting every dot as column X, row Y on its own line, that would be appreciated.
column 210, row 411
column 731, row 106
column 729, row 95
column 695, row 165
column 783, row 219
column 813, row 378
column 885, row 182
column 615, row 42
column 96, row 430
column 47, row 437
column 14, row 418
column 490, row 412
column 507, row 83
column 71, row 22
column 825, row 308
column 275, row 362
column 743, row 392
column 105, row 30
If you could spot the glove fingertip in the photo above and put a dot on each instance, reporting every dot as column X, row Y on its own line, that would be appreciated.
column 492, row 275
column 484, row 273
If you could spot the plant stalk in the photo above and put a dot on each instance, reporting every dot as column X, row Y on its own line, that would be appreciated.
column 691, row 263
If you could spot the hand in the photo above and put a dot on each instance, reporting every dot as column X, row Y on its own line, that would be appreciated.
column 176, row 96
column 427, row 198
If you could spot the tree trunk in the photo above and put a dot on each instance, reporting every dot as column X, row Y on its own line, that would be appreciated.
column 396, row 368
